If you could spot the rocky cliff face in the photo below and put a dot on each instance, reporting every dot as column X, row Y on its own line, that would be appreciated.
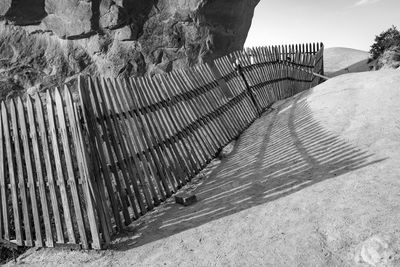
column 56, row 39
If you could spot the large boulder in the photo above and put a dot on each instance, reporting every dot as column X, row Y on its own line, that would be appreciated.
column 128, row 37
column 5, row 5
column 69, row 18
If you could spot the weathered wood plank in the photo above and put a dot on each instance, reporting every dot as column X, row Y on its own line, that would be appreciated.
column 85, row 177
column 4, row 233
column 39, row 173
column 20, row 172
column 49, row 169
column 29, row 171
column 11, row 173
column 59, row 170
column 71, row 180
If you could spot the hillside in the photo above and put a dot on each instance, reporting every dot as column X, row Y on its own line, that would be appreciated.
column 313, row 183
column 340, row 60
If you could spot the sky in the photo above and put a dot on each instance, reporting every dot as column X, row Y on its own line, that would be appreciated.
column 336, row 23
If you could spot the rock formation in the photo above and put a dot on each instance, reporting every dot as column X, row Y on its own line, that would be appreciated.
column 56, row 39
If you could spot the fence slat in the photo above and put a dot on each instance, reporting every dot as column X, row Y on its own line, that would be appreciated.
column 4, row 233
column 11, row 172
column 49, row 169
column 20, row 173
column 96, row 147
column 39, row 173
column 59, row 169
column 29, row 170
column 85, row 179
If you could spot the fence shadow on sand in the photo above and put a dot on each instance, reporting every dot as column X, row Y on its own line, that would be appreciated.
column 280, row 154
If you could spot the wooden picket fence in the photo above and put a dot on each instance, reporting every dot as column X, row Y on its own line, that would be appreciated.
column 77, row 170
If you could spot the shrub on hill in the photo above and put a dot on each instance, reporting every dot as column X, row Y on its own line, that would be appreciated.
column 388, row 39
column 390, row 59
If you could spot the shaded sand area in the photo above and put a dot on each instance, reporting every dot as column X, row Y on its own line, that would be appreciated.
column 306, row 185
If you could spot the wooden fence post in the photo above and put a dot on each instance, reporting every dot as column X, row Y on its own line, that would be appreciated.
column 250, row 92
column 322, row 59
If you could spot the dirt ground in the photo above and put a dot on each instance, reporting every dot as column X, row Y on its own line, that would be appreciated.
column 316, row 182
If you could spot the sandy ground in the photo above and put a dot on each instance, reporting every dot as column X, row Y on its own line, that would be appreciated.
column 316, row 182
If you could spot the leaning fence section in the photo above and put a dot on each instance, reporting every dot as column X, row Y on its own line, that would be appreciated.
column 152, row 135
column 75, row 172
column 272, row 73
column 44, row 189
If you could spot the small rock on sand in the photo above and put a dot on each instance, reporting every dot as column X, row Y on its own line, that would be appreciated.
column 377, row 250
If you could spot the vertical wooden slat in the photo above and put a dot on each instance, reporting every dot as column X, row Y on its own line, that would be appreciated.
column 39, row 174
column 49, row 169
column 71, row 180
column 29, row 170
column 2, row 180
column 4, row 233
column 11, row 172
column 60, row 172
column 86, row 181
column 20, row 171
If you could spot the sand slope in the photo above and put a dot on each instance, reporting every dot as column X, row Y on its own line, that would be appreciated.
column 306, row 185
column 341, row 60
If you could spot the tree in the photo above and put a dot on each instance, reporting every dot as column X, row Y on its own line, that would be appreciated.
column 384, row 41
